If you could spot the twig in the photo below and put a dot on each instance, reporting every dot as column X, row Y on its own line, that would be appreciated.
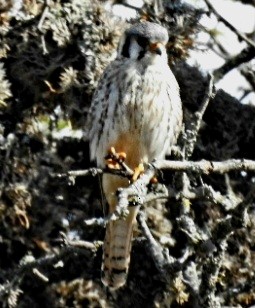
column 161, row 192
column 224, row 52
column 77, row 173
column 192, row 132
column 205, row 192
column 217, row 52
column 240, row 35
column 79, row 244
column 40, row 275
column 244, row 56
column 168, row 266
column 44, row 14
column 40, row 24
column 249, row 75
column 244, row 95
column 219, row 237
column 155, row 249
column 16, row 277
column 130, row 6
column 207, row 97
column 72, row 174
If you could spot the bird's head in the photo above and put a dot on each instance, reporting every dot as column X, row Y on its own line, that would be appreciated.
column 144, row 42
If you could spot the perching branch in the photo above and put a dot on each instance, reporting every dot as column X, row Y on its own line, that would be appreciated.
column 200, row 167
column 205, row 166
column 138, row 190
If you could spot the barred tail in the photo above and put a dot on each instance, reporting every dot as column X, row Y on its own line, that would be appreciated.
column 116, row 255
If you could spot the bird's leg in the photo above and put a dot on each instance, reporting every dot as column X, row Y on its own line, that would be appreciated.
column 116, row 160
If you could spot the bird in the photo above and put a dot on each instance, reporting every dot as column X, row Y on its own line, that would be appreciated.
column 136, row 109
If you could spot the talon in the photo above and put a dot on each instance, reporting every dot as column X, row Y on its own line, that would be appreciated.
column 112, row 164
column 112, row 151
column 114, row 159
column 137, row 172
column 122, row 156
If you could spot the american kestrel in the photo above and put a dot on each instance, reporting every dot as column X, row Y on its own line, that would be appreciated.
column 136, row 109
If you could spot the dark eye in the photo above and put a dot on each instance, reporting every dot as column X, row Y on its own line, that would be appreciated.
column 142, row 41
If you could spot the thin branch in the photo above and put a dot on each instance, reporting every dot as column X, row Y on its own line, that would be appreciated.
column 244, row 56
column 167, row 265
column 208, row 95
column 224, row 52
column 220, row 234
column 72, row 174
column 244, row 95
column 213, row 46
column 249, row 75
column 15, row 278
column 201, row 167
column 128, row 5
column 155, row 249
column 40, row 275
column 44, row 14
column 77, row 243
column 240, row 35
column 192, row 132
column 205, row 166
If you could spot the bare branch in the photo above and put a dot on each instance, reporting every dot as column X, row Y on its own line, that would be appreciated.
column 240, row 35
column 192, row 132
column 77, row 243
column 167, row 265
column 205, row 166
column 128, row 5
column 16, row 277
column 244, row 56
column 155, row 249
column 200, row 167
column 40, row 275
column 249, row 75
column 220, row 234
column 72, row 174
column 44, row 14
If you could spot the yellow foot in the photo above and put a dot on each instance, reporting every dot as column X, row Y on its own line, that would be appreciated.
column 137, row 172
column 114, row 159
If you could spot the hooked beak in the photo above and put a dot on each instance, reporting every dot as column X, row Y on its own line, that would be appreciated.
column 156, row 48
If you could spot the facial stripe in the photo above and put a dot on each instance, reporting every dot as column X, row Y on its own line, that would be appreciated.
column 125, row 48
column 141, row 54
